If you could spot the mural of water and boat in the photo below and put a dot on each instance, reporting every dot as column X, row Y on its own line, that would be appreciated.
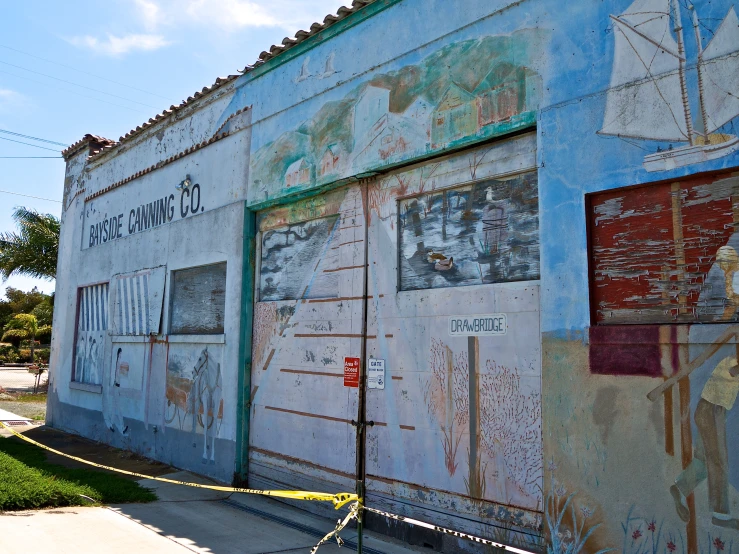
column 649, row 97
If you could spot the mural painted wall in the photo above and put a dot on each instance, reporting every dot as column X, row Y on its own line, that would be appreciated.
column 194, row 394
column 468, row 409
column 308, row 318
column 627, row 93
column 467, row 404
column 626, row 342
column 637, row 289
column 463, row 92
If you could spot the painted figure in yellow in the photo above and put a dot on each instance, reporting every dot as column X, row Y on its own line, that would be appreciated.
column 728, row 260
column 711, row 460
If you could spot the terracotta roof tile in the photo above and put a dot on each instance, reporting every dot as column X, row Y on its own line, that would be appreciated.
column 275, row 50
column 94, row 141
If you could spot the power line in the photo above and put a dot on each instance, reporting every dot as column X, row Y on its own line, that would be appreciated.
column 29, row 196
column 29, row 144
column 85, row 72
column 76, row 85
column 32, row 138
column 31, row 157
column 74, row 92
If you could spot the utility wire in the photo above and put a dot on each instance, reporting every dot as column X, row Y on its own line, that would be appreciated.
column 29, row 196
column 85, row 72
column 76, row 85
column 29, row 144
column 32, row 138
column 31, row 157
column 74, row 92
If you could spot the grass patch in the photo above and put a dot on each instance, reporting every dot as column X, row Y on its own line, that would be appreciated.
column 29, row 482
column 40, row 397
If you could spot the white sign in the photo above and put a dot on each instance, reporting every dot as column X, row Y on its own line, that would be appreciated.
column 478, row 325
column 376, row 374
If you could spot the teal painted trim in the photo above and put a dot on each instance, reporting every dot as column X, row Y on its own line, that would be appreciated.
column 243, row 405
column 312, row 42
column 305, row 193
column 518, row 123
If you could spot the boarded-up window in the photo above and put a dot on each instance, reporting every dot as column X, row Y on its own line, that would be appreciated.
column 198, row 300
column 485, row 232
column 136, row 302
column 92, row 324
column 666, row 253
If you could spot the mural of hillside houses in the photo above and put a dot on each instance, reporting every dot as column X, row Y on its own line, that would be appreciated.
column 455, row 117
column 300, row 172
column 332, row 160
column 406, row 114
column 390, row 135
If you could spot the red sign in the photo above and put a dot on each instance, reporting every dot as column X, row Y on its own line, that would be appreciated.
column 351, row 372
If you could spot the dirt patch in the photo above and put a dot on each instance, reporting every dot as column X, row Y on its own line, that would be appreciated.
column 94, row 452
column 31, row 410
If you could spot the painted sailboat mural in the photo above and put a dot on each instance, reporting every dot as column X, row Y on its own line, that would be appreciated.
column 648, row 97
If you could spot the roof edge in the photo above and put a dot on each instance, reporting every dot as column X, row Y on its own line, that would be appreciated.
column 95, row 143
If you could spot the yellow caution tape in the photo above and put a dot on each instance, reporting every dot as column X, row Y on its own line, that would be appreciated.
column 353, row 514
column 338, row 500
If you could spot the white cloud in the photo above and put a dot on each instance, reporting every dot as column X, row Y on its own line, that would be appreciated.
column 11, row 100
column 149, row 12
column 231, row 15
column 6, row 93
column 117, row 46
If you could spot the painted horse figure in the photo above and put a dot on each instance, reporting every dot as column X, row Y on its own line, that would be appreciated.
column 209, row 400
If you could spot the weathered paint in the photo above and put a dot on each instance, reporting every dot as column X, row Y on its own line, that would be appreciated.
column 599, row 406
column 305, row 324
column 133, row 406
column 407, row 113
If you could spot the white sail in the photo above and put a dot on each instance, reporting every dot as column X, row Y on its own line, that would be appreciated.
column 644, row 100
column 720, row 69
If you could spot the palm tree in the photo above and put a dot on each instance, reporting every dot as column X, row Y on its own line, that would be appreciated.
column 22, row 327
column 34, row 249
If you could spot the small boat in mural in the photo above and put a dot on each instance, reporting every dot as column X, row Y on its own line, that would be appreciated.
column 648, row 97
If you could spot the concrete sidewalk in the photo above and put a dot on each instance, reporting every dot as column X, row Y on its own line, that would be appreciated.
column 10, row 417
column 184, row 519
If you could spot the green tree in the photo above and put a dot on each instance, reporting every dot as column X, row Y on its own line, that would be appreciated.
column 33, row 249
column 44, row 312
column 22, row 327
column 21, row 302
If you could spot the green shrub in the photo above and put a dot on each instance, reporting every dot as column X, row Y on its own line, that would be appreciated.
column 8, row 354
column 41, row 355
column 43, row 335
column 14, row 336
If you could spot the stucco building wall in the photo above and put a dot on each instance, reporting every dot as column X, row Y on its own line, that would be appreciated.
column 554, row 167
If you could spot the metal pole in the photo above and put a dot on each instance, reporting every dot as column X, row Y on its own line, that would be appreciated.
column 361, row 404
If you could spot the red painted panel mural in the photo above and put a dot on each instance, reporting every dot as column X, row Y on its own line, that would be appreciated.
column 666, row 253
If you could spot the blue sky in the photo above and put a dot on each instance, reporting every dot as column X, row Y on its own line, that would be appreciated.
column 139, row 56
